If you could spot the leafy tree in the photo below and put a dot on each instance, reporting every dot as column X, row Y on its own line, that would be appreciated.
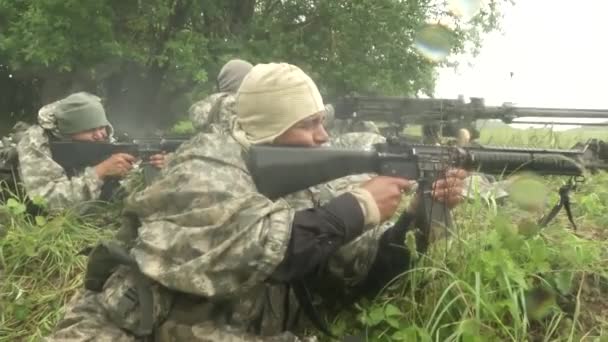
column 151, row 59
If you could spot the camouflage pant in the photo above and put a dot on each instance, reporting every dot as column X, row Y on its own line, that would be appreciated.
column 94, row 316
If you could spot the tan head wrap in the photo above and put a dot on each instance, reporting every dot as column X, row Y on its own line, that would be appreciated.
column 271, row 99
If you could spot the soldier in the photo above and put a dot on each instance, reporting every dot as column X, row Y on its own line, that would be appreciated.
column 215, row 260
column 337, row 127
column 214, row 113
column 78, row 117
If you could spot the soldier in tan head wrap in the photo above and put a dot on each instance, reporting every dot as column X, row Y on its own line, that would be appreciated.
column 221, row 261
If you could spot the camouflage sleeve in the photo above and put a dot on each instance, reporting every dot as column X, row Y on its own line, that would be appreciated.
column 209, row 233
column 353, row 261
column 43, row 177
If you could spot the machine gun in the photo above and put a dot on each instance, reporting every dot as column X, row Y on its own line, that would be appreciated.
column 278, row 171
column 74, row 156
column 402, row 111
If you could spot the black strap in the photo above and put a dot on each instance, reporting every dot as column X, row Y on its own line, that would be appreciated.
column 214, row 113
column 286, row 309
column 303, row 296
column 146, row 309
column 103, row 261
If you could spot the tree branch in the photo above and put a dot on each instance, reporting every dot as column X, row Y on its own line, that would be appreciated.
column 270, row 8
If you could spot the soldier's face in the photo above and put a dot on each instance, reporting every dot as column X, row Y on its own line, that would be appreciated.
column 95, row 134
column 307, row 132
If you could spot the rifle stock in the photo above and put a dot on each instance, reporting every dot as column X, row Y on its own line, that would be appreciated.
column 278, row 171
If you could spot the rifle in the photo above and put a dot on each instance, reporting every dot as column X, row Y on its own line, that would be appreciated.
column 401, row 111
column 74, row 156
column 278, row 171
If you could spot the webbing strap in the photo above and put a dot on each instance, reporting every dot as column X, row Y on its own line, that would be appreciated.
column 103, row 261
column 305, row 300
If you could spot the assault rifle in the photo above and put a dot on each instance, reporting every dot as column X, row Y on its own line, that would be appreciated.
column 278, row 171
column 74, row 156
column 402, row 111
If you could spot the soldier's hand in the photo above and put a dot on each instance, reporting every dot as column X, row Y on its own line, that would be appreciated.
column 387, row 192
column 118, row 165
column 449, row 189
column 158, row 160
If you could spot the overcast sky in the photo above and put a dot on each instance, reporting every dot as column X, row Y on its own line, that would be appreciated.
column 556, row 50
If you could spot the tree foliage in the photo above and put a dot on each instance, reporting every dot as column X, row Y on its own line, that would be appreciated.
column 151, row 59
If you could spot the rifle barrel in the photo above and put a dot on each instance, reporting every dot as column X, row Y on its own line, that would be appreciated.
column 560, row 112
column 527, row 122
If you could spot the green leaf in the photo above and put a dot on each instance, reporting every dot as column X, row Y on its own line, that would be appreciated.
column 15, row 207
column 408, row 334
column 21, row 312
column 393, row 322
column 40, row 221
column 375, row 316
column 39, row 201
column 392, row 310
column 563, row 282
column 469, row 327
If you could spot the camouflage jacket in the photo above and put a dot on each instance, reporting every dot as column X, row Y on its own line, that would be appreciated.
column 211, row 234
column 213, row 114
column 43, row 177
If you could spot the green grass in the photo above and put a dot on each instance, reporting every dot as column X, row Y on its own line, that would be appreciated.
column 40, row 268
column 539, row 137
column 498, row 277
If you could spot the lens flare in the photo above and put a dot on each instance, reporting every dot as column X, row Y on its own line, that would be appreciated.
column 528, row 192
column 464, row 9
column 434, row 41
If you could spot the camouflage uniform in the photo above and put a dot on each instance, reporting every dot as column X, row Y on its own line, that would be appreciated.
column 43, row 177
column 214, row 241
column 214, row 113
column 337, row 127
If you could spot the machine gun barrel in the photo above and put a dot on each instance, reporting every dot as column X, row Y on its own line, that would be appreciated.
column 404, row 110
column 560, row 112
